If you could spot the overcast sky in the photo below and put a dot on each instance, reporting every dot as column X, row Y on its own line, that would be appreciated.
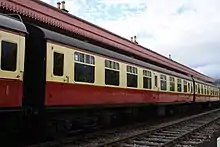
column 189, row 30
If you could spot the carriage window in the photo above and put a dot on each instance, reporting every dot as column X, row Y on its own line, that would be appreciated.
column 189, row 87
column 179, row 85
column 172, row 84
column 185, row 86
column 132, row 76
column 58, row 64
column 8, row 56
column 83, row 58
column 199, row 88
column 111, row 64
column 84, row 73
column 147, row 81
column 163, row 82
column 111, row 73
column 84, row 68
column 205, row 90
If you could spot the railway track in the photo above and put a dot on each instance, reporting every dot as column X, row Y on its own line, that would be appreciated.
column 187, row 131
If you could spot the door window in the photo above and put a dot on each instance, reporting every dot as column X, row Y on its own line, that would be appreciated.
column 58, row 64
column 155, row 81
column 8, row 56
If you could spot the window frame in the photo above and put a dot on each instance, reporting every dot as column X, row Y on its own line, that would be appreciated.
column 20, row 41
column 85, row 55
column 156, row 84
column 17, row 55
column 179, row 82
column 163, row 78
column 202, row 89
column 185, row 86
column 63, row 63
column 147, row 74
column 189, row 87
column 196, row 88
column 172, row 80
column 199, row 88
column 51, row 48
column 132, row 70
column 115, row 68
column 84, row 63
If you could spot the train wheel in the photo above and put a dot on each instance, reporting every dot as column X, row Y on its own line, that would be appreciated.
column 57, row 129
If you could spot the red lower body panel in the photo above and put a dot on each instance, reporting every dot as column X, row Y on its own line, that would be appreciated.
column 78, row 94
column 203, row 98
column 10, row 93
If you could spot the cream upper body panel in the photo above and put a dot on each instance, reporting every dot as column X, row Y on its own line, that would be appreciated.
column 15, row 42
column 99, row 72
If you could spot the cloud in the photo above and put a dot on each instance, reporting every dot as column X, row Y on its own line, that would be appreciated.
column 183, row 9
column 188, row 30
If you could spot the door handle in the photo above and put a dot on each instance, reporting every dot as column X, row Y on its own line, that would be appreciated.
column 20, row 74
column 68, row 79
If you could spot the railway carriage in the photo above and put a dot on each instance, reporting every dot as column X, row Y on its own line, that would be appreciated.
column 12, row 42
column 42, row 70
column 79, row 74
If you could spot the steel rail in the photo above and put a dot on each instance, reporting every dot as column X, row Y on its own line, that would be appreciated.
column 173, row 134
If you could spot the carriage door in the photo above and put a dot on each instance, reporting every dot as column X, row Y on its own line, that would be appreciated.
column 11, row 68
column 156, row 86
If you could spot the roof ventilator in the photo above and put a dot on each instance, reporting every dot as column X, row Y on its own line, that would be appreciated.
column 61, row 6
column 134, row 39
